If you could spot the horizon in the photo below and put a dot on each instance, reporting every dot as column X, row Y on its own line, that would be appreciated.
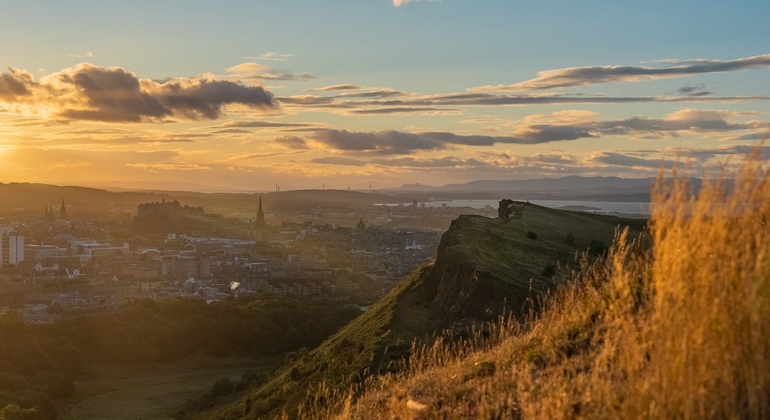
column 243, row 97
column 202, row 189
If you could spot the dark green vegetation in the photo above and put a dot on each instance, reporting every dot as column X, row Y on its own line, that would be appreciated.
column 38, row 362
column 484, row 267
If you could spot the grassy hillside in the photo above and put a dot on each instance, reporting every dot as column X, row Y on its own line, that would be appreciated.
column 678, row 330
column 486, row 267
column 499, row 263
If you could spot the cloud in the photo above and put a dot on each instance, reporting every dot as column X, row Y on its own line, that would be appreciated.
column 697, row 90
column 339, row 160
column 395, row 110
column 527, row 135
column 89, row 92
column 619, row 159
column 399, row 3
column 566, row 125
column 14, row 84
column 231, row 131
column 403, row 143
column 592, row 75
column 156, row 167
column 381, row 142
column 87, row 54
column 291, row 142
column 247, row 68
column 351, row 104
column 274, row 56
column 337, row 87
column 379, row 93
column 263, row 124
column 685, row 120
column 256, row 71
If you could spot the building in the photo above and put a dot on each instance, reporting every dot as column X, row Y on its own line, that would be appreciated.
column 88, row 252
column 44, row 252
column 11, row 246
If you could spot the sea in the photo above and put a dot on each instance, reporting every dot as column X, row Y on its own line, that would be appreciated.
column 633, row 208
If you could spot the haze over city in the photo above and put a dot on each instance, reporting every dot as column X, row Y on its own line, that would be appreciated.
column 244, row 96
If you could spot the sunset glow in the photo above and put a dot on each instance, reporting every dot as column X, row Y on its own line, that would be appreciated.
column 243, row 96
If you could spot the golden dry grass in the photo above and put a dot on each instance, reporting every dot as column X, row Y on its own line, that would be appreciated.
column 680, row 329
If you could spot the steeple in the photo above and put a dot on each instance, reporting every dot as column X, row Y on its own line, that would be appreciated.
column 47, row 214
column 62, row 210
column 260, row 222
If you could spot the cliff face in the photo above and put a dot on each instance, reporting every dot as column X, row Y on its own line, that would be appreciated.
column 485, row 267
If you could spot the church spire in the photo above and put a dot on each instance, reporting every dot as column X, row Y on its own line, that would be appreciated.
column 62, row 210
column 260, row 222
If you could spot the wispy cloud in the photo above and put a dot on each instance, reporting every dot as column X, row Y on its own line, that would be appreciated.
column 377, row 93
column 270, row 56
column 265, row 124
column 693, row 90
column 346, row 86
column 402, row 102
column 291, row 142
column 592, row 75
column 256, row 71
column 399, row 3
column 87, row 54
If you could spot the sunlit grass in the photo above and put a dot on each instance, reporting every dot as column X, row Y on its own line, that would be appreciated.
column 680, row 329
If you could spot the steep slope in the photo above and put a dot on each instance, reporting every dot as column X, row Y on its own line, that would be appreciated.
column 487, row 266
column 484, row 266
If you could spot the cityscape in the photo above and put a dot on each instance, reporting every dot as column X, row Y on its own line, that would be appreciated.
column 57, row 265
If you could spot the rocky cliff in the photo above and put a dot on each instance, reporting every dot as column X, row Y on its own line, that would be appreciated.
column 485, row 267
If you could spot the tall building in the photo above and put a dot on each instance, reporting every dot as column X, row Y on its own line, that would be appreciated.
column 11, row 246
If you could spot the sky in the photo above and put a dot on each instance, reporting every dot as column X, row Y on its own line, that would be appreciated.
column 301, row 94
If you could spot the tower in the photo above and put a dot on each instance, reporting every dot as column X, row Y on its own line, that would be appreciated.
column 260, row 222
column 11, row 246
column 62, row 210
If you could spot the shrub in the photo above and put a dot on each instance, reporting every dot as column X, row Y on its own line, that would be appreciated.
column 549, row 270
column 222, row 387
column 597, row 247
column 570, row 239
column 531, row 235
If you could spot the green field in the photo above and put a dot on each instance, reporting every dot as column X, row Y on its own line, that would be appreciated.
column 151, row 391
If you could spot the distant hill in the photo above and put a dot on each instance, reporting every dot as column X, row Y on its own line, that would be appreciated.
column 483, row 267
column 34, row 197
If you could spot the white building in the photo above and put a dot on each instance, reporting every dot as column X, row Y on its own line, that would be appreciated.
column 44, row 252
column 11, row 246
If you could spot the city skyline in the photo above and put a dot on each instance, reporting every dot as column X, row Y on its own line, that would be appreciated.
column 242, row 96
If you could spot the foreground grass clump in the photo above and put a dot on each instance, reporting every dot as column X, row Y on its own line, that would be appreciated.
column 680, row 329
